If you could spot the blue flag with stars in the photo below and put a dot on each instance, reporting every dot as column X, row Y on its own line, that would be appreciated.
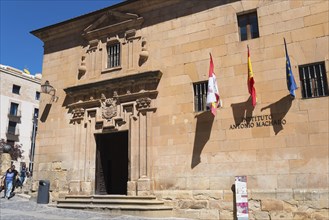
column 291, row 83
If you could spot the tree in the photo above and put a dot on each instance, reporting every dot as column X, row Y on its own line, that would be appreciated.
column 15, row 152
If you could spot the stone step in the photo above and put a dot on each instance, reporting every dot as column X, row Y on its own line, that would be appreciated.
column 112, row 206
column 109, row 197
column 147, row 206
column 110, row 201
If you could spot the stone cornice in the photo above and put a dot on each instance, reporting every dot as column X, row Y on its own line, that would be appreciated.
column 115, row 83
column 124, row 89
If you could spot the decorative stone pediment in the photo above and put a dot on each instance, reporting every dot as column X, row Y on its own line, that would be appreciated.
column 114, row 98
column 112, row 22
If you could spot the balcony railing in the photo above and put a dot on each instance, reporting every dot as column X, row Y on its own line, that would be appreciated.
column 15, row 117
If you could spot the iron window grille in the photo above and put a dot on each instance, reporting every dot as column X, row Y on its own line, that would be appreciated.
column 113, row 55
column 200, row 96
column 248, row 26
column 313, row 80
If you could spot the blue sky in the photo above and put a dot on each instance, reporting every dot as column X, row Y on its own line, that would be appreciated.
column 19, row 48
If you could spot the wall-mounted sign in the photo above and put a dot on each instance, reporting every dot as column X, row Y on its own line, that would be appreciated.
column 241, row 197
column 258, row 121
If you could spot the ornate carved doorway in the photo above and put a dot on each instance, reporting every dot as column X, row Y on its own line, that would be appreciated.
column 112, row 123
column 112, row 163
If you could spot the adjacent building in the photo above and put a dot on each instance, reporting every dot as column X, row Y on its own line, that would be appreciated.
column 20, row 94
column 131, row 115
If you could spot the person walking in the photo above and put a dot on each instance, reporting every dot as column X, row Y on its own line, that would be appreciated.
column 10, row 178
column 22, row 174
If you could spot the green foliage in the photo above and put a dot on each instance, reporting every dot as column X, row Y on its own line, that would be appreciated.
column 15, row 152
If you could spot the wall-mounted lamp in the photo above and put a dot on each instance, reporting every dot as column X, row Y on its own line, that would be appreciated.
column 49, row 89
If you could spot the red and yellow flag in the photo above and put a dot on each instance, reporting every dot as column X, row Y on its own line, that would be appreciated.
column 251, row 81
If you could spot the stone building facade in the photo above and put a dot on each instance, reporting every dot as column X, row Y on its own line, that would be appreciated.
column 19, row 98
column 130, row 116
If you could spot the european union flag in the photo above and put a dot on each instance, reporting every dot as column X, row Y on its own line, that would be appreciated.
column 291, row 83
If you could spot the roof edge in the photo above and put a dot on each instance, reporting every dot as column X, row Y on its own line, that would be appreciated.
column 38, row 31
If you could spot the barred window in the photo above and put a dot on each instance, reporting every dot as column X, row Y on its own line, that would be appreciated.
column 200, row 96
column 248, row 26
column 113, row 55
column 313, row 80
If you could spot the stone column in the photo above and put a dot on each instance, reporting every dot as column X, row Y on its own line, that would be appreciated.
column 144, row 182
column 77, row 120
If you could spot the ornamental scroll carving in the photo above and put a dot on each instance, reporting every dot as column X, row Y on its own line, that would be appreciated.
column 77, row 115
column 108, row 107
column 143, row 103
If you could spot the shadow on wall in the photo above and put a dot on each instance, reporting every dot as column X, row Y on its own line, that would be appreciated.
column 278, row 110
column 242, row 111
column 202, row 134
column 45, row 113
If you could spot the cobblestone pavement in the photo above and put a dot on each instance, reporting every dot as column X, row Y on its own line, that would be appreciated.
column 23, row 208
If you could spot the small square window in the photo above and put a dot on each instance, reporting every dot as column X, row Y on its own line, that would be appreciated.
column 313, row 80
column 37, row 95
column 248, row 26
column 113, row 55
column 200, row 96
column 16, row 89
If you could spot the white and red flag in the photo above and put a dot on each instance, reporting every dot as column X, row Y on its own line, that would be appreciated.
column 212, row 93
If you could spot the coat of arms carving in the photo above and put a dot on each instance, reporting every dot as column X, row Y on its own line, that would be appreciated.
column 108, row 107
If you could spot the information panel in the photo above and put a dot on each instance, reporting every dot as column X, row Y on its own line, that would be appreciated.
column 241, row 195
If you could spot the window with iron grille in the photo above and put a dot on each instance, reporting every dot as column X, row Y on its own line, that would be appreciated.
column 200, row 96
column 313, row 80
column 113, row 55
column 16, row 89
column 248, row 26
column 13, row 109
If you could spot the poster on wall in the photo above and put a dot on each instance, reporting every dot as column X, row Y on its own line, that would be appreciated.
column 241, row 197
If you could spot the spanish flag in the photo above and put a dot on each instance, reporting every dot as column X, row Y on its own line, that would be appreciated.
column 212, row 92
column 251, row 81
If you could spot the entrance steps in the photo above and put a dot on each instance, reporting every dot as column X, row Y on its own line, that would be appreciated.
column 147, row 206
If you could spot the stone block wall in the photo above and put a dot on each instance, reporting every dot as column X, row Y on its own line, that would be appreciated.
column 289, row 204
column 193, row 156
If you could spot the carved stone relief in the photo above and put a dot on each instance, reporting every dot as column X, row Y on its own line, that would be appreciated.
column 108, row 107
column 77, row 115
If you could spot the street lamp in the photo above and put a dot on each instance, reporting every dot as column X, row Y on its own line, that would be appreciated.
column 49, row 89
